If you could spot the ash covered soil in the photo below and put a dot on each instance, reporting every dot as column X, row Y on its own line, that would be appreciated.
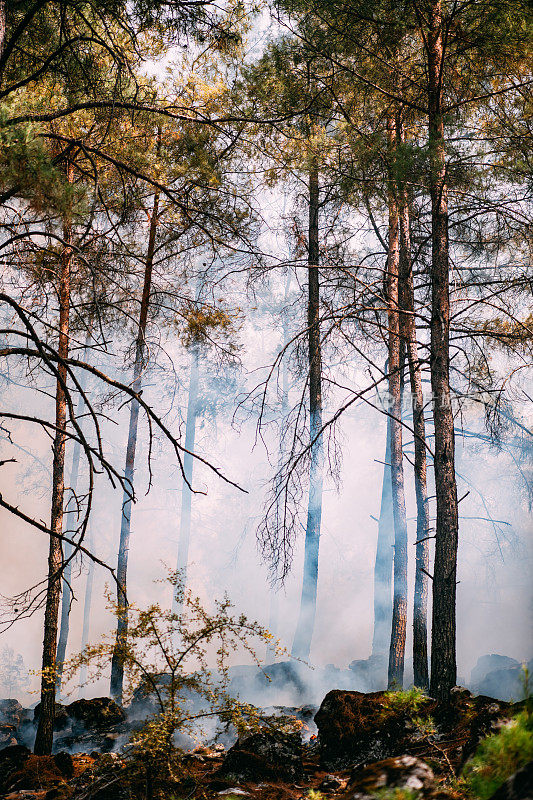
column 356, row 745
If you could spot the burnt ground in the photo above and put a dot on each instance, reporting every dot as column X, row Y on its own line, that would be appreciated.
column 364, row 744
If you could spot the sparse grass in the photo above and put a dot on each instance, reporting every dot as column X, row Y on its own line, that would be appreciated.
column 397, row 794
column 404, row 701
column 499, row 756
column 425, row 726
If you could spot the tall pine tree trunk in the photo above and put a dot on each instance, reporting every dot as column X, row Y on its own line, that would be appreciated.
column 45, row 727
column 399, row 604
column 284, row 410
column 443, row 638
column 71, row 520
column 408, row 326
column 383, row 563
column 2, row 31
column 188, row 464
column 304, row 631
column 87, row 603
column 117, row 662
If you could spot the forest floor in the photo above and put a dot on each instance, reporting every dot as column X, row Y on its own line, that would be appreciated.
column 391, row 746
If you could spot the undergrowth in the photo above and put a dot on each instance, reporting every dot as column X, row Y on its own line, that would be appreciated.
column 398, row 794
column 499, row 756
column 404, row 701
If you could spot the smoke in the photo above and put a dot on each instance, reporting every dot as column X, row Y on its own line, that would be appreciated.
column 494, row 592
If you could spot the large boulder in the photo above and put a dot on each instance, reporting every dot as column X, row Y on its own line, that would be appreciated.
column 98, row 712
column 12, row 713
column 264, row 756
column 356, row 728
column 489, row 663
column 12, row 759
column 30, row 772
column 372, row 672
column 505, row 684
column 286, row 682
column 401, row 772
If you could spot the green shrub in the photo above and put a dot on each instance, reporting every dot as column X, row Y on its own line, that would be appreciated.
column 398, row 794
column 408, row 701
column 499, row 756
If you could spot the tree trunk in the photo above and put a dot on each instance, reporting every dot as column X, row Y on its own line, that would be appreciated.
column 70, row 526
column 45, row 727
column 383, row 563
column 188, row 464
column 408, row 330
column 443, row 639
column 117, row 662
column 2, row 31
column 399, row 605
column 304, row 630
column 87, row 602
column 284, row 410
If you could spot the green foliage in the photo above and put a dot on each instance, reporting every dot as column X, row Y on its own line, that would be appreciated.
column 27, row 167
column 397, row 794
column 178, row 662
column 203, row 322
column 408, row 701
column 499, row 756
column 425, row 726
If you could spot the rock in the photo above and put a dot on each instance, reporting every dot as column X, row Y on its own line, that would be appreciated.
column 64, row 763
column 287, row 682
column 505, row 684
column 35, row 772
column 12, row 713
column 518, row 787
column 267, row 755
column 489, row 663
column 98, row 712
column 401, row 772
column 61, row 792
column 11, row 760
column 372, row 671
column 356, row 728
column 8, row 735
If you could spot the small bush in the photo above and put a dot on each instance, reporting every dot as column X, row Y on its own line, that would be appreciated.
column 398, row 794
column 409, row 701
column 499, row 756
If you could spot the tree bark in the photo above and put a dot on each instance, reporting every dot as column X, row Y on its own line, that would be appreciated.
column 87, row 603
column 2, row 31
column 188, row 464
column 304, row 631
column 284, row 410
column 443, row 639
column 117, row 661
column 399, row 604
column 408, row 325
column 383, row 563
column 71, row 519
column 45, row 727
